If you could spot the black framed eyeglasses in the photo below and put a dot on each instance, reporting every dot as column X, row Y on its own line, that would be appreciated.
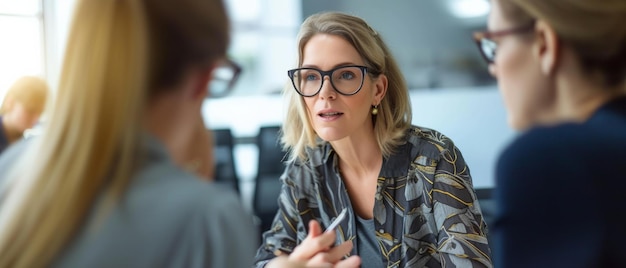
column 488, row 47
column 225, row 76
column 346, row 80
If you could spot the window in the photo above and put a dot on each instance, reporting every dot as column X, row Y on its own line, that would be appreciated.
column 21, row 49
column 263, row 43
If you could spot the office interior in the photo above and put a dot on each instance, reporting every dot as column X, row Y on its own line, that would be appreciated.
column 450, row 88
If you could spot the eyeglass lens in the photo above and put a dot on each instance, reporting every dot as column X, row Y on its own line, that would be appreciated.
column 347, row 80
column 488, row 48
column 222, row 81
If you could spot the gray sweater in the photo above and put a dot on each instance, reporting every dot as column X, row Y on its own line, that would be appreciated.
column 167, row 218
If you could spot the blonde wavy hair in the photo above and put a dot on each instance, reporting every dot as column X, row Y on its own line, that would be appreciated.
column 394, row 116
column 594, row 29
column 119, row 54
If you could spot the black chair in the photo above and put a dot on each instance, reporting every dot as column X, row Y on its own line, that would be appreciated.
column 267, row 184
column 225, row 168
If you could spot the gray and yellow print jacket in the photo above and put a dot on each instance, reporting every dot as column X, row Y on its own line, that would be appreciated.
column 426, row 212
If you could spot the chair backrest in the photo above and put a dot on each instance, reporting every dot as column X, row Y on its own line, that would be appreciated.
column 225, row 168
column 267, row 184
column 271, row 155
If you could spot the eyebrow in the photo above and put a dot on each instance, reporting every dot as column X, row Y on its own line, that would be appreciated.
column 334, row 66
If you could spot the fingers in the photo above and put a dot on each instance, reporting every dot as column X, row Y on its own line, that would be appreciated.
column 315, row 229
column 332, row 256
column 351, row 262
column 315, row 242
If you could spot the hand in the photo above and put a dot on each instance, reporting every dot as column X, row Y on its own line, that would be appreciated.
column 317, row 251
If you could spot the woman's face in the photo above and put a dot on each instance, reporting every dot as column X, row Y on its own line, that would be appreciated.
column 335, row 116
column 525, row 90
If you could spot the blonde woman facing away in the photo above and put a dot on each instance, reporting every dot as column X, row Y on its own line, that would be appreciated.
column 21, row 108
column 407, row 190
column 104, row 184
column 561, row 69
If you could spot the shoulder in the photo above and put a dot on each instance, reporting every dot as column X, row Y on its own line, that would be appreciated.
column 183, row 187
column 543, row 153
column 175, row 193
column 429, row 142
column 12, row 153
column 305, row 172
column 545, row 143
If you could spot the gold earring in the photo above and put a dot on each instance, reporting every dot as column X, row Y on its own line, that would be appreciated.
column 375, row 110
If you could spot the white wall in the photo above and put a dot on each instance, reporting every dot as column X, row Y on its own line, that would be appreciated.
column 474, row 119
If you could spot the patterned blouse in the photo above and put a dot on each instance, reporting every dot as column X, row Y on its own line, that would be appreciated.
column 426, row 213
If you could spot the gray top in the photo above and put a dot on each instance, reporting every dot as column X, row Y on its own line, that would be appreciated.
column 367, row 244
column 167, row 218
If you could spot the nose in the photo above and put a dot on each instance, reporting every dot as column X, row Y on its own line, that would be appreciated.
column 327, row 90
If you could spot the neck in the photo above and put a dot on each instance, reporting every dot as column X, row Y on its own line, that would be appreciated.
column 579, row 98
column 173, row 120
column 359, row 155
column 578, row 93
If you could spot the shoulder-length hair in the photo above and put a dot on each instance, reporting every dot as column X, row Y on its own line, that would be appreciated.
column 394, row 116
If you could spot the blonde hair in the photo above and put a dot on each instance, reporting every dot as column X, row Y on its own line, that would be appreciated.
column 394, row 116
column 30, row 91
column 594, row 29
column 119, row 54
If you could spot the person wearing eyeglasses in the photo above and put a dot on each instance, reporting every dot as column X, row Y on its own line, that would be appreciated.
column 561, row 69
column 407, row 190
column 115, row 178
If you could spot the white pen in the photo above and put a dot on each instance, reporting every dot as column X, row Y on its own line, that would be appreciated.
column 337, row 220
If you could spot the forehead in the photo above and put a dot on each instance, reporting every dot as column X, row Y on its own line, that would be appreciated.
column 326, row 50
column 497, row 19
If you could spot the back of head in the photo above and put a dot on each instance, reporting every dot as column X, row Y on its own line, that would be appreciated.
column 119, row 54
column 395, row 109
column 30, row 91
column 593, row 29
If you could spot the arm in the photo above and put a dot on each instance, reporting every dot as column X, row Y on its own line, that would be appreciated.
column 283, row 235
column 462, row 231
column 289, row 241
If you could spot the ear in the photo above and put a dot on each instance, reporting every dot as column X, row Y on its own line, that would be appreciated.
column 381, row 89
column 201, row 82
column 547, row 47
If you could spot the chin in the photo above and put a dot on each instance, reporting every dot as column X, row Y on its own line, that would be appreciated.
column 329, row 134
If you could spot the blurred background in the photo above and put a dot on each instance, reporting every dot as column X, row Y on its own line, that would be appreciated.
column 450, row 88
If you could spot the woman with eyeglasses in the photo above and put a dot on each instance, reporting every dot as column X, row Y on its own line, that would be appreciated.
column 109, row 181
column 406, row 189
column 561, row 66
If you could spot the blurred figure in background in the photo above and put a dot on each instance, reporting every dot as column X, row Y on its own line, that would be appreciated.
column 21, row 108
column 561, row 66
column 407, row 191
column 109, row 181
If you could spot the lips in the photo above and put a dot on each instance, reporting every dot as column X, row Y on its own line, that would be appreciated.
column 331, row 114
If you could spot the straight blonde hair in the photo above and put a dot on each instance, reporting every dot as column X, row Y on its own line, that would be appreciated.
column 119, row 53
column 394, row 116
